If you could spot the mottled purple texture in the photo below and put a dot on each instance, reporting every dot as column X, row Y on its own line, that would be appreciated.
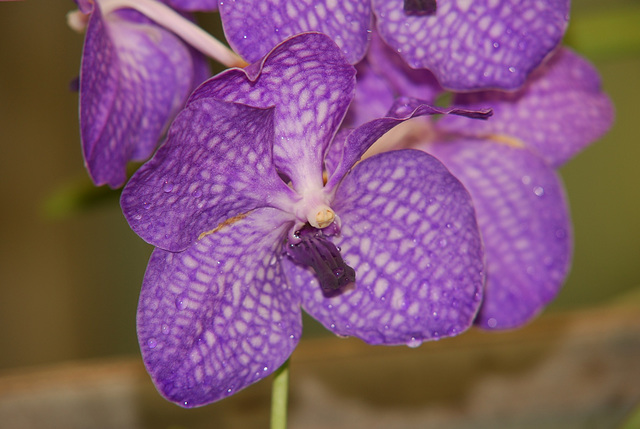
column 134, row 78
column 224, row 170
column 220, row 315
column 225, row 312
column 508, row 165
column 310, row 86
column 254, row 28
column 475, row 44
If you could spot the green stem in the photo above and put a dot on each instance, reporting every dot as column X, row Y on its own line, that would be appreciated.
column 279, row 395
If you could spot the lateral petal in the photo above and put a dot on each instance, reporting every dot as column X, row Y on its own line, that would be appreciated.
column 409, row 231
column 215, row 165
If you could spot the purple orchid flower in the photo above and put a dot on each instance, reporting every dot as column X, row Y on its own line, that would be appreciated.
column 467, row 45
column 256, row 210
column 135, row 76
column 508, row 166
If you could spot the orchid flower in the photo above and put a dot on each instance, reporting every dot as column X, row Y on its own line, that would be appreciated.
column 137, row 71
column 508, row 166
column 466, row 44
column 257, row 208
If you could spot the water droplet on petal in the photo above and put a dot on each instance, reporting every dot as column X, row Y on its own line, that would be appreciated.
column 137, row 217
column 181, row 303
column 512, row 69
column 167, row 187
column 152, row 343
column 414, row 342
column 539, row 191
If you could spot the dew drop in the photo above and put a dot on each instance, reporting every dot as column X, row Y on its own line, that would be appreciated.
column 197, row 193
column 146, row 206
column 265, row 369
column 496, row 45
column 165, row 329
column 181, row 302
column 414, row 342
column 167, row 187
column 152, row 343
column 512, row 69
column 526, row 180
column 138, row 216
column 492, row 322
column 185, row 403
column 539, row 191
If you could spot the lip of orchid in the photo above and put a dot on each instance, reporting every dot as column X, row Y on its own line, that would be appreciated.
column 165, row 16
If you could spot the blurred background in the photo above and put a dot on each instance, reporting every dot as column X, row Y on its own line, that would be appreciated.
column 71, row 270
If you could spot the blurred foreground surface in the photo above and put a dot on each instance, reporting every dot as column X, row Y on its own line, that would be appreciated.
column 573, row 370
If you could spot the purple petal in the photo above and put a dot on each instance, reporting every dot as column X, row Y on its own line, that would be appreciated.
column 216, row 164
column 311, row 85
column 218, row 316
column 193, row 5
column 475, row 44
column 404, row 80
column 525, row 225
column 364, row 136
column 372, row 99
column 557, row 113
column 409, row 231
column 134, row 78
column 254, row 28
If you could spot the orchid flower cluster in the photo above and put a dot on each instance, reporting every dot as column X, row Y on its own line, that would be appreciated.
column 313, row 174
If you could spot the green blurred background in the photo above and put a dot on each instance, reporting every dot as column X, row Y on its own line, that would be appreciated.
column 69, row 278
